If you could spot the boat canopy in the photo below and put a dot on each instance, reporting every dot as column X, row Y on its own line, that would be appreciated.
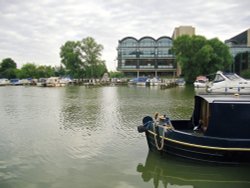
column 225, row 116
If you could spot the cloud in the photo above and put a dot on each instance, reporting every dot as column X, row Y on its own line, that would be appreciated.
column 33, row 31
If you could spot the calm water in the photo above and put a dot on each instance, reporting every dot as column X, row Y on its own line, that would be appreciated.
column 86, row 137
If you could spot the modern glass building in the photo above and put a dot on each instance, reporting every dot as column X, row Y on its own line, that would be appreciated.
column 146, row 57
column 240, row 49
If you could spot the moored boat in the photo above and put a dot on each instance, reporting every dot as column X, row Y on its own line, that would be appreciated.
column 139, row 81
column 41, row 82
column 181, row 82
column 218, row 130
column 15, row 82
column 228, row 83
column 201, row 82
column 155, row 81
column 4, row 82
column 56, row 82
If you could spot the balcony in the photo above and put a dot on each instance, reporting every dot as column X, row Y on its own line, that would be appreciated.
column 165, row 66
column 145, row 67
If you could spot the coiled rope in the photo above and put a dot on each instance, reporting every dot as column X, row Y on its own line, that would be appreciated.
column 161, row 145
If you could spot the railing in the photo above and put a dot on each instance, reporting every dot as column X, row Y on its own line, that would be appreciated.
column 165, row 66
column 146, row 67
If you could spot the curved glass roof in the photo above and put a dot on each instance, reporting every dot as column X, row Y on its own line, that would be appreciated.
column 146, row 41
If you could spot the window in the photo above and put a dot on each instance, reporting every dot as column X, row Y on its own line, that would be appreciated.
column 147, row 42
column 166, row 42
column 129, row 42
column 218, row 78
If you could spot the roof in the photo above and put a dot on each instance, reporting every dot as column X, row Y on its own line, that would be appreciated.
column 145, row 37
column 239, row 39
column 216, row 98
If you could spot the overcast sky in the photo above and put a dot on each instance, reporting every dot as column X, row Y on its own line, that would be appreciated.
column 33, row 31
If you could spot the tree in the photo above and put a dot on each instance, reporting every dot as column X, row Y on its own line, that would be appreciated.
column 44, row 71
column 60, row 71
column 8, row 68
column 116, row 74
column 28, row 70
column 79, row 57
column 221, row 58
column 96, row 71
column 246, row 73
column 199, row 56
column 70, row 57
column 8, row 63
column 91, row 53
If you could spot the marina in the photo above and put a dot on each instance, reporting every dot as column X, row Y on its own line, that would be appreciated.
column 75, row 136
column 65, row 81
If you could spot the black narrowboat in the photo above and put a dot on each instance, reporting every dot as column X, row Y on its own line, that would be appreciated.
column 218, row 131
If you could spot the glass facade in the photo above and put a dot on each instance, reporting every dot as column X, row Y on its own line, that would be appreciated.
column 146, row 55
column 240, row 50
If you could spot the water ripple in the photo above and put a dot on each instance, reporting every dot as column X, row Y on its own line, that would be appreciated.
column 63, row 137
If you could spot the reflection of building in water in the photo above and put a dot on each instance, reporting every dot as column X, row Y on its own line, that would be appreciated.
column 170, row 173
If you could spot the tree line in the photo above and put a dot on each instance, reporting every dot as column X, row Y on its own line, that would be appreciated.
column 9, row 70
column 80, row 59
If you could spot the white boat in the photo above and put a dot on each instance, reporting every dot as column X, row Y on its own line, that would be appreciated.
column 4, row 82
column 181, row 82
column 53, row 82
column 41, row 82
column 228, row 83
column 25, row 82
column 154, row 81
column 65, row 81
column 201, row 82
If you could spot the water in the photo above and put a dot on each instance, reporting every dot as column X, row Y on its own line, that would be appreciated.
column 87, row 137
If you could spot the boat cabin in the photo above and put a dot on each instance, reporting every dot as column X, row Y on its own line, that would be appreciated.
column 224, row 116
column 228, row 83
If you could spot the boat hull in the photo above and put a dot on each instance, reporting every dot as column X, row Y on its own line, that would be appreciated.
column 197, row 147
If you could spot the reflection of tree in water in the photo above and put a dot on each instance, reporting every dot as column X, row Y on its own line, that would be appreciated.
column 169, row 173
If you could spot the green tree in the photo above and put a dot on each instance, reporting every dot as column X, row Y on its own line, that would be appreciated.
column 246, row 73
column 116, row 74
column 28, row 70
column 71, row 59
column 91, row 54
column 82, row 58
column 8, row 68
column 60, row 71
column 43, row 71
column 96, row 71
column 8, row 63
column 9, row 73
column 199, row 56
column 221, row 58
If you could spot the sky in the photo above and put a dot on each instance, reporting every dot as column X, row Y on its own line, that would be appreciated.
column 33, row 31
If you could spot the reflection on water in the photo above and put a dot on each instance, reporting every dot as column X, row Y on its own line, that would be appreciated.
column 169, row 172
column 86, row 137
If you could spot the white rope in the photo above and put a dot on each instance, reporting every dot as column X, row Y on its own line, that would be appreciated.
column 155, row 136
